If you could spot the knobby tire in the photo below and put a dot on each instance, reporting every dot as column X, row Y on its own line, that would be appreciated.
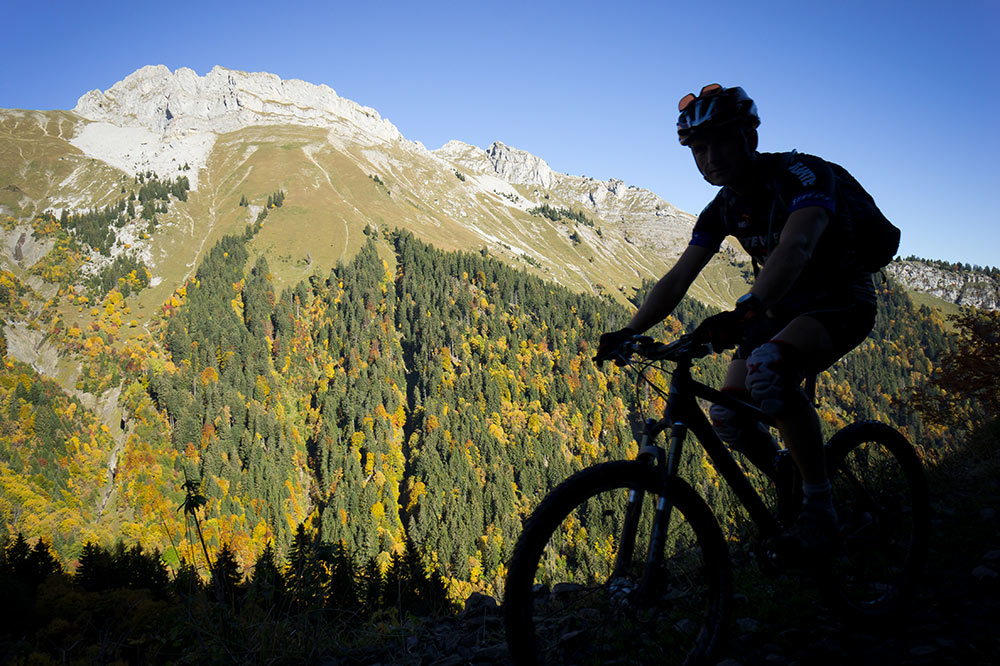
column 563, row 602
column 884, row 512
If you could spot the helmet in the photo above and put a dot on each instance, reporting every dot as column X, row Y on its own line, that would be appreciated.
column 713, row 108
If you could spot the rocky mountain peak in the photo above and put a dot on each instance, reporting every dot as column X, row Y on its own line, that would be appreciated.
column 518, row 166
column 159, row 120
column 222, row 101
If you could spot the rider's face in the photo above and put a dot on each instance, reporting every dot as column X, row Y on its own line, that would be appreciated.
column 723, row 160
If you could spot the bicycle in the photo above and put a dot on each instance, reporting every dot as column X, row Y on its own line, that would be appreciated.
column 624, row 562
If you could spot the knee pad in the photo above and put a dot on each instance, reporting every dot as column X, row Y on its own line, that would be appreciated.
column 772, row 380
column 726, row 423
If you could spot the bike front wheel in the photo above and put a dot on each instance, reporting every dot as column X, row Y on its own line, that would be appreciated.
column 884, row 514
column 579, row 590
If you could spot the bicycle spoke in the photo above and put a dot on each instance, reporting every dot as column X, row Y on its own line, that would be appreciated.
column 584, row 611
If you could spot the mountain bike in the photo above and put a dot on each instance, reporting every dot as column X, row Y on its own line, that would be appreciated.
column 624, row 562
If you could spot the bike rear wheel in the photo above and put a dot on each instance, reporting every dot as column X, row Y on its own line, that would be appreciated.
column 567, row 602
column 884, row 514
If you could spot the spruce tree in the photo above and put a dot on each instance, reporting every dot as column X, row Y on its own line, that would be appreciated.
column 94, row 571
column 266, row 584
column 343, row 593
column 306, row 578
column 371, row 587
column 226, row 577
column 186, row 581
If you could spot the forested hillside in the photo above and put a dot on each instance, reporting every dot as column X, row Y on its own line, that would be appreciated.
column 410, row 392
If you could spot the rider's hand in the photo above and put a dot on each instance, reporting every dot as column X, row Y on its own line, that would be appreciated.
column 725, row 330
column 610, row 342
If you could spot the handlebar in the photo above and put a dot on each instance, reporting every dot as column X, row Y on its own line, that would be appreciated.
column 684, row 348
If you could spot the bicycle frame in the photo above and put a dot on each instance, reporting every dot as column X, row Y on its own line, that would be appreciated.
column 682, row 414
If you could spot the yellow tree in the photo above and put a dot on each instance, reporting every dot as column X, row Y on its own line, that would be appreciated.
column 972, row 370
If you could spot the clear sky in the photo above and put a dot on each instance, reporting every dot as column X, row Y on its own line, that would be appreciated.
column 903, row 94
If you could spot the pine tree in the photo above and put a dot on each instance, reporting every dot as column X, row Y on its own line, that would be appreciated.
column 266, row 583
column 343, row 593
column 94, row 571
column 128, row 567
column 15, row 558
column 226, row 577
column 186, row 582
column 372, row 587
column 305, row 576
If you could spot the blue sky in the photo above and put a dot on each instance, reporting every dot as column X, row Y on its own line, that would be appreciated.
column 903, row 94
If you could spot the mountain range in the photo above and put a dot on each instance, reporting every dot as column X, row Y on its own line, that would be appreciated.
column 234, row 134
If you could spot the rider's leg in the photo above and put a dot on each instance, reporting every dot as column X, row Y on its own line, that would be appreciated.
column 736, row 375
column 747, row 436
column 774, row 379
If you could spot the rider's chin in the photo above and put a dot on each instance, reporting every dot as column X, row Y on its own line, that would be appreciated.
column 717, row 177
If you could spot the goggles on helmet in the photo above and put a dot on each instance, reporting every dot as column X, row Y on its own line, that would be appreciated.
column 707, row 91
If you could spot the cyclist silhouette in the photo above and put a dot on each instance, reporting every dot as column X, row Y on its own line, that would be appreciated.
column 812, row 299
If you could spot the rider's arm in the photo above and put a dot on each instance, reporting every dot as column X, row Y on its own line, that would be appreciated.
column 668, row 292
column 795, row 246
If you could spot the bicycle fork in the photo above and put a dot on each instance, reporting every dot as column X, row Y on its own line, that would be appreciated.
column 661, row 521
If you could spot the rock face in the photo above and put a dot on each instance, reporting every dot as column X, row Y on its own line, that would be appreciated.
column 646, row 219
column 19, row 245
column 519, row 167
column 160, row 120
column 222, row 101
column 962, row 287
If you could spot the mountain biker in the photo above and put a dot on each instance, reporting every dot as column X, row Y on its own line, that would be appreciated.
column 810, row 303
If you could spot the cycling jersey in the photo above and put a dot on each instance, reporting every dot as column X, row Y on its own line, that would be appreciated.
column 788, row 182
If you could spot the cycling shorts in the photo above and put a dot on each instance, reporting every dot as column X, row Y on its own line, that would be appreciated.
column 848, row 324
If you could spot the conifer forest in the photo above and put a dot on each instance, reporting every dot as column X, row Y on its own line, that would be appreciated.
column 368, row 439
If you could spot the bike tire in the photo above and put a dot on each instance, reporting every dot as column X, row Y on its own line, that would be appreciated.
column 567, row 608
column 883, row 508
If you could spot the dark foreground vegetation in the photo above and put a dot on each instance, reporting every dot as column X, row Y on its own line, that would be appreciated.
column 123, row 605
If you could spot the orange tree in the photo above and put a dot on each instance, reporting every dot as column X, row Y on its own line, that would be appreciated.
column 970, row 370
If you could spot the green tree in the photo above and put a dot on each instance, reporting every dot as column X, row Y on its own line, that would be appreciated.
column 306, row 578
column 227, row 579
column 343, row 593
column 266, row 584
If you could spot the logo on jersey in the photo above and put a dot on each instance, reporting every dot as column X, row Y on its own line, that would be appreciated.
column 803, row 173
column 744, row 221
column 812, row 199
column 758, row 245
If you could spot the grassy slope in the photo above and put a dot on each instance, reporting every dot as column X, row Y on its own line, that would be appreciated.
column 331, row 198
column 40, row 169
column 935, row 303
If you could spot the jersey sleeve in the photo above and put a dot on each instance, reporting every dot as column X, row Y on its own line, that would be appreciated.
column 808, row 181
column 709, row 231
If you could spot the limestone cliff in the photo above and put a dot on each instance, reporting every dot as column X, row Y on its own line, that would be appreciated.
column 971, row 288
